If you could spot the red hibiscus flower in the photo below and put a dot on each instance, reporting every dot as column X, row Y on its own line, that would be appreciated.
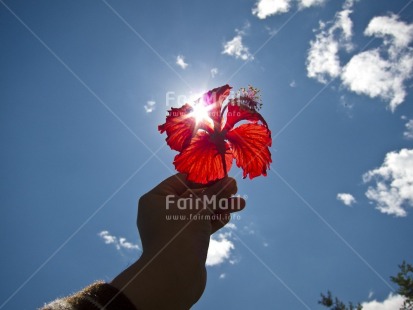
column 206, row 136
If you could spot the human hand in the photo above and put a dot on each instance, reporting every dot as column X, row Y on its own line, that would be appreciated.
column 175, row 221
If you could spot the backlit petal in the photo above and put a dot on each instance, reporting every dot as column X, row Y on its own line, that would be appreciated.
column 237, row 112
column 250, row 146
column 215, row 98
column 179, row 127
column 201, row 161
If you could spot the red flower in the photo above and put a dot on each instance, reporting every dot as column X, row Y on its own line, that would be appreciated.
column 207, row 140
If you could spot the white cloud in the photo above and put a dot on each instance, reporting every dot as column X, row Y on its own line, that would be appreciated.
column 345, row 198
column 393, row 31
column 408, row 133
column 323, row 60
column 293, row 84
column 149, row 106
column 303, row 4
column 180, row 61
column 108, row 239
column 219, row 249
column 393, row 190
column 346, row 25
column 231, row 226
column 349, row 4
column 265, row 8
column 367, row 73
column 392, row 302
column 236, row 48
column 119, row 243
column 382, row 72
column 222, row 276
column 378, row 73
column 214, row 72
column 127, row 245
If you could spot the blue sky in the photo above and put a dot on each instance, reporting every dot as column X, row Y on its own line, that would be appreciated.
column 84, row 86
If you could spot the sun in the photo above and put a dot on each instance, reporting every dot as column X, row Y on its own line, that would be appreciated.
column 199, row 109
column 200, row 112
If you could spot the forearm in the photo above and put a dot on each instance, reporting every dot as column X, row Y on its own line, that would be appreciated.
column 98, row 295
column 156, row 283
column 149, row 283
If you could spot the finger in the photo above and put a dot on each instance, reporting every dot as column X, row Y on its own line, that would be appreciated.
column 224, row 188
column 230, row 205
column 192, row 193
column 219, row 221
column 174, row 185
column 198, row 185
column 177, row 184
column 216, row 196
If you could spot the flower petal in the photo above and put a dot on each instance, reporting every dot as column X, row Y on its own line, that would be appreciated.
column 250, row 145
column 215, row 98
column 238, row 112
column 201, row 160
column 179, row 127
